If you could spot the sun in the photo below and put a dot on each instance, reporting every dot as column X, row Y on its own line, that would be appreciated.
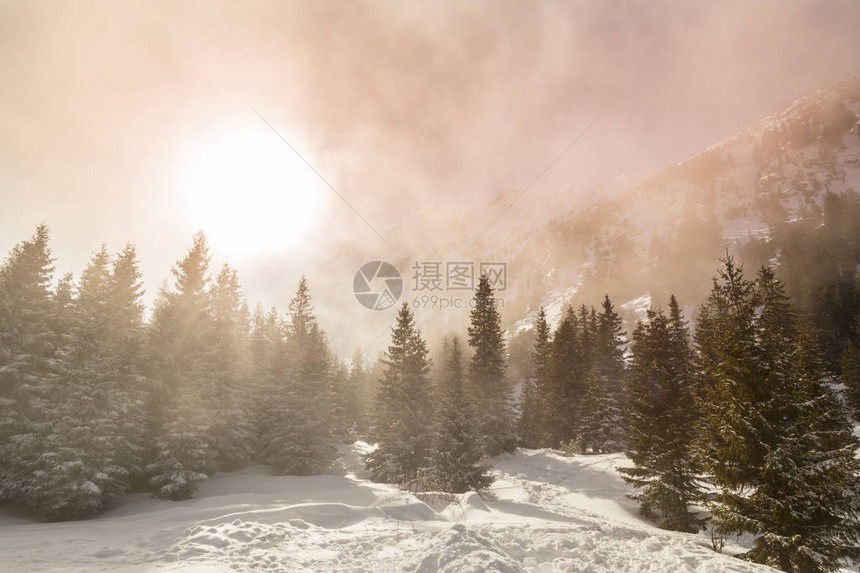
column 249, row 192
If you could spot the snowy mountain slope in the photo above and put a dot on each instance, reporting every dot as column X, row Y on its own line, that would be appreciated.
column 545, row 513
column 774, row 171
column 665, row 234
column 661, row 235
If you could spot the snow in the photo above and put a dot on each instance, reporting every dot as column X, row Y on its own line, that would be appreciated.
column 545, row 513
column 90, row 487
column 638, row 307
column 554, row 304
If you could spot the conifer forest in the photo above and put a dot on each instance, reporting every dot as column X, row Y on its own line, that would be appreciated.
column 500, row 286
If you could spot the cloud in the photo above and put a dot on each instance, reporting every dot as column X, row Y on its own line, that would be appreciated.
column 403, row 106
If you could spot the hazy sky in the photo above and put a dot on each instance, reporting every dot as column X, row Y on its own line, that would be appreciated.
column 117, row 118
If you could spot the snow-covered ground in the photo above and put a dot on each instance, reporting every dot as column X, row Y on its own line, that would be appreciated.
column 545, row 513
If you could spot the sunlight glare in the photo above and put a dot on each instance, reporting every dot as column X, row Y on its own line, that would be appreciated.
column 249, row 192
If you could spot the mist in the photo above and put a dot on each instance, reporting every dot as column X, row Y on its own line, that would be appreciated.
column 376, row 286
column 407, row 111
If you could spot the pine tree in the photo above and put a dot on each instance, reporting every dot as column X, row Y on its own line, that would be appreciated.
column 268, row 367
column 775, row 440
column 182, row 318
column 599, row 418
column 181, row 353
column 458, row 464
column 534, row 426
column 609, row 344
column 805, row 505
column 94, row 439
column 735, row 383
column 84, row 434
column 128, row 350
column 587, row 334
column 298, row 437
column 662, row 416
column 343, row 413
column 360, row 393
column 602, row 422
column 28, row 343
column 567, row 380
column 184, row 452
column 64, row 298
column 403, row 416
column 487, row 373
column 229, row 403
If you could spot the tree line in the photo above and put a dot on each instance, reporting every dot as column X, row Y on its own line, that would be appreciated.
column 96, row 400
column 740, row 416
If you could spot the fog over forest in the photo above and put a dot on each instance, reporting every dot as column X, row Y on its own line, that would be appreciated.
column 109, row 112
column 499, row 286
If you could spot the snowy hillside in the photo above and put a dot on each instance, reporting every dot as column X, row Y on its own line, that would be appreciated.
column 544, row 513
column 666, row 232
column 658, row 234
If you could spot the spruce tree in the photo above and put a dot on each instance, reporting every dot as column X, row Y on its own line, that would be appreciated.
column 128, row 350
column 567, row 379
column 298, row 437
column 403, row 416
column 343, row 413
column 491, row 391
column 184, row 452
column 601, row 420
column 735, row 380
column 458, row 464
column 360, row 393
column 268, row 367
column 536, row 398
column 609, row 344
column 775, row 440
column 805, row 506
column 28, row 361
column 94, row 439
column 601, row 423
column 229, row 403
column 64, row 299
column 587, row 334
column 662, row 417
column 181, row 356
column 85, row 428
